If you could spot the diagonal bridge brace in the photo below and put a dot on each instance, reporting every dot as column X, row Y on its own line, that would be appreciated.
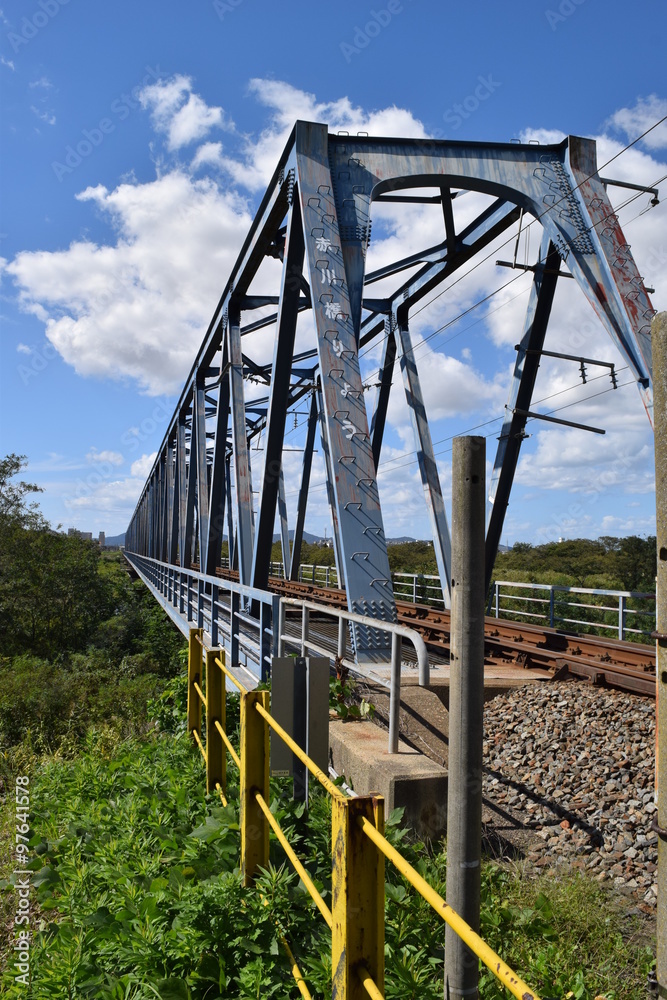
column 316, row 215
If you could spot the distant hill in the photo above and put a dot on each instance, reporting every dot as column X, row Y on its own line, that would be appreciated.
column 115, row 539
column 307, row 537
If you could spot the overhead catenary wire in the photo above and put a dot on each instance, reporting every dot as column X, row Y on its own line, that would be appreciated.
column 551, row 209
column 486, row 298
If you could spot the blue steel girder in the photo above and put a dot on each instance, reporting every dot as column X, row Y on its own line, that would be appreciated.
column 335, row 266
column 558, row 185
column 335, row 180
column 428, row 468
column 302, row 501
column 520, row 394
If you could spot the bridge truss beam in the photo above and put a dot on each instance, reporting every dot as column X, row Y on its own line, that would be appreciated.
column 314, row 223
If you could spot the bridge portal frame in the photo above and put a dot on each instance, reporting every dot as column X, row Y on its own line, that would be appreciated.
column 315, row 218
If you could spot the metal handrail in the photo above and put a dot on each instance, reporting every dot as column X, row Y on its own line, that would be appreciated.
column 477, row 944
column 248, row 759
column 555, row 604
column 397, row 632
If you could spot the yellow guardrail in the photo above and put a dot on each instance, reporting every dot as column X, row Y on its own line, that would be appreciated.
column 359, row 847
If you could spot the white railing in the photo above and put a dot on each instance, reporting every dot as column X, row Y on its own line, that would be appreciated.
column 624, row 613
column 306, row 642
column 418, row 588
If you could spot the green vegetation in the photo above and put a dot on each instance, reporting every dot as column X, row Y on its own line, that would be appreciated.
column 81, row 644
column 138, row 894
column 608, row 563
column 136, row 891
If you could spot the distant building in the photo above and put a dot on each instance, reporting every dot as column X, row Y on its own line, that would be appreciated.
column 87, row 535
column 102, row 539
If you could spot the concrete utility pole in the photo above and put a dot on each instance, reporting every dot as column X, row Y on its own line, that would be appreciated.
column 659, row 344
column 466, row 709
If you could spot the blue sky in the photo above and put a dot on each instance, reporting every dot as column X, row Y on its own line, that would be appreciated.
column 137, row 140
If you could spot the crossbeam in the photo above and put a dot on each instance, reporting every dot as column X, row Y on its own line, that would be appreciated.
column 302, row 273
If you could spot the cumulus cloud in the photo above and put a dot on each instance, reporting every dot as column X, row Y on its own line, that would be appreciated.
column 285, row 103
column 112, row 457
column 137, row 308
column 210, row 154
column 642, row 116
column 180, row 113
column 142, row 466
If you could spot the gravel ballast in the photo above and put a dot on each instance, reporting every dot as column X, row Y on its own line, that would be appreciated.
column 573, row 766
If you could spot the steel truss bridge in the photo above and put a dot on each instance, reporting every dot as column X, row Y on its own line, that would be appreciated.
column 310, row 238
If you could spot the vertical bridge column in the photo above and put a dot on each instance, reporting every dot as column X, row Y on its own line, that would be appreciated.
column 363, row 549
column 521, row 393
column 428, row 468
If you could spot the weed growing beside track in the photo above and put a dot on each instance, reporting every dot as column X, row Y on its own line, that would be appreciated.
column 137, row 894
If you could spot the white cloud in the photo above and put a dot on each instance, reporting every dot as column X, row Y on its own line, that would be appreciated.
column 142, row 466
column 44, row 116
column 99, row 494
column 634, row 121
column 9, row 63
column 138, row 308
column 210, row 154
column 112, row 457
column 23, row 349
column 286, row 104
column 43, row 83
column 179, row 113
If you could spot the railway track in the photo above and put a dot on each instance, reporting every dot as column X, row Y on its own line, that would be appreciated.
column 629, row 666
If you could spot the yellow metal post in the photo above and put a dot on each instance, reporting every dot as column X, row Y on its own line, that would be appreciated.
column 357, row 884
column 254, row 778
column 195, row 651
column 216, row 759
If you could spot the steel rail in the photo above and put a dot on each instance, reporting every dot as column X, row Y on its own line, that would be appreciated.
column 494, row 962
column 628, row 666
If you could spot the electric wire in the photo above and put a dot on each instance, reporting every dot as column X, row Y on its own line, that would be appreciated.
column 550, row 209
column 486, row 298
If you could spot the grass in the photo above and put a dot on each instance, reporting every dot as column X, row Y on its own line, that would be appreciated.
column 137, row 894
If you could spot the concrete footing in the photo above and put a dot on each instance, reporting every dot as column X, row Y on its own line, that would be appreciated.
column 358, row 750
